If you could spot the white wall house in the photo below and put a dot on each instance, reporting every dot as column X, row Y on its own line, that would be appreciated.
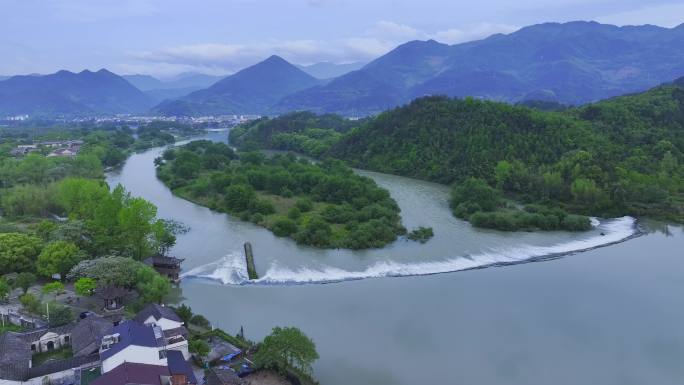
column 133, row 342
column 175, row 334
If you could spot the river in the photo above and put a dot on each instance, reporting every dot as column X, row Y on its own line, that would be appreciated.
column 610, row 315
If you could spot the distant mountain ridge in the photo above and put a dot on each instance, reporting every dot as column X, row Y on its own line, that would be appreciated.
column 328, row 70
column 66, row 93
column 250, row 91
column 572, row 63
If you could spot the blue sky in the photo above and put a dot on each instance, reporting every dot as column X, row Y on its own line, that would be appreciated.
column 167, row 37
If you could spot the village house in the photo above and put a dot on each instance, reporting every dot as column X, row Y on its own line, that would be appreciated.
column 152, row 346
column 175, row 334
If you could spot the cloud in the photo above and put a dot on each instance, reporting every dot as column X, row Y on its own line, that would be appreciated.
column 392, row 30
column 666, row 15
column 379, row 39
column 232, row 57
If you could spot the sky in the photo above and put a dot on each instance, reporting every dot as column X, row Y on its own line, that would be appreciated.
column 166, row 37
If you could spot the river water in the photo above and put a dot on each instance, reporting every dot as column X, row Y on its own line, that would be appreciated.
column 611, row 315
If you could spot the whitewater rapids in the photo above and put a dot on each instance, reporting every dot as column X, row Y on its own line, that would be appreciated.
column 232, row 270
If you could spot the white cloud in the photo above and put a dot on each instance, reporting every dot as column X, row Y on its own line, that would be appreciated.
column 472, row 32
column 226, row 58
column 666, row 15
column 391, row 30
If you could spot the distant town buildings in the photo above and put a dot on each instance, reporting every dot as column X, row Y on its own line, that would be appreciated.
column 65, row 148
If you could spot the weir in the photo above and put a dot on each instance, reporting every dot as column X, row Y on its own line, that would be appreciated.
column 249, row 258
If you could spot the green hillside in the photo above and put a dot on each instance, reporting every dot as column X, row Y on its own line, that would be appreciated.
column 616, row 157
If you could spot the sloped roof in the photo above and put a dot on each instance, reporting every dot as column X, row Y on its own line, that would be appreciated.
column 14, row 349
column 180, row 331
column 87, row 335
column 222, row 376
column 131, row 373
column 131, row 333
column 158, row 312
column 15, row 357
column 178, row 365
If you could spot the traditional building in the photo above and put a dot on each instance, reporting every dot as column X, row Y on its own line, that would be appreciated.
column 167, row 266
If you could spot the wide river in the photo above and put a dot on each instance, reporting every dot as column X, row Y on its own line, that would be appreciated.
column 414, row 313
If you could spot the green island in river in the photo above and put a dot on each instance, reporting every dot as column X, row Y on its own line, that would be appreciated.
column 318, row 204
column 512, row 167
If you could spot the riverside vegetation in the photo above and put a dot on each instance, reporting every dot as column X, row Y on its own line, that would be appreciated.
column 319, row 204
column 621, row 156
column 59, row 216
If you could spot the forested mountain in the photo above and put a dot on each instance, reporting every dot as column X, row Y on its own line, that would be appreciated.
column 70, row 94
column 251, row 91
column 571, row 63
column 619, row 156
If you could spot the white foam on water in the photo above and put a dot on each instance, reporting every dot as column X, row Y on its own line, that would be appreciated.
column 232, row 269
column 229, row 270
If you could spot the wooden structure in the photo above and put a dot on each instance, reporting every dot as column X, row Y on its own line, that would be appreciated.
column 249, row 258
column 169, row 267
column 113, row 297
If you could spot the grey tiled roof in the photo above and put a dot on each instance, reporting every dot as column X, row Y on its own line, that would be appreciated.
column 158, row 312
column 15, row 357
column 14, row 349
column 87, row 335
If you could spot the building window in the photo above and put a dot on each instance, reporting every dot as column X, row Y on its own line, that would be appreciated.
column 162, row 354
column 66, row 339
column 33, row 347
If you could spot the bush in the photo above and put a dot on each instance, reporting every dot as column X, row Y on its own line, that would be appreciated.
column 421, row 234
column 284, row 227
column 304, row 205
column 200, row 321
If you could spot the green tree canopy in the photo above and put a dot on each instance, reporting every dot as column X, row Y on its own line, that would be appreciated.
column 286, row 347
column 18, row 251
column 58, row 258
column 85, row 286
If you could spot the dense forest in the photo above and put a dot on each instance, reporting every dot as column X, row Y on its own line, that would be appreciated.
column 319, row 204
column 302, row 132
column 616, row 157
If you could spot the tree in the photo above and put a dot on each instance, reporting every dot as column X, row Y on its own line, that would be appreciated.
column 30, row 303
column 151, row 286
column 24, row 281
column 286, row 347
column 199, row 347
column 185, row 313
column 18, row 252
column 108, row 271
column 58, row 258
column 135, row 220
column 239, row 197
column 201, row 321
column 475, row 191
column 53, row 287
column 5, row 289
column 57, row 314
column 85, row 286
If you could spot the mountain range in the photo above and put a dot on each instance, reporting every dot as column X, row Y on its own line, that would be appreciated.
column 68, row 94
column 570, row 63
column 250, row 91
